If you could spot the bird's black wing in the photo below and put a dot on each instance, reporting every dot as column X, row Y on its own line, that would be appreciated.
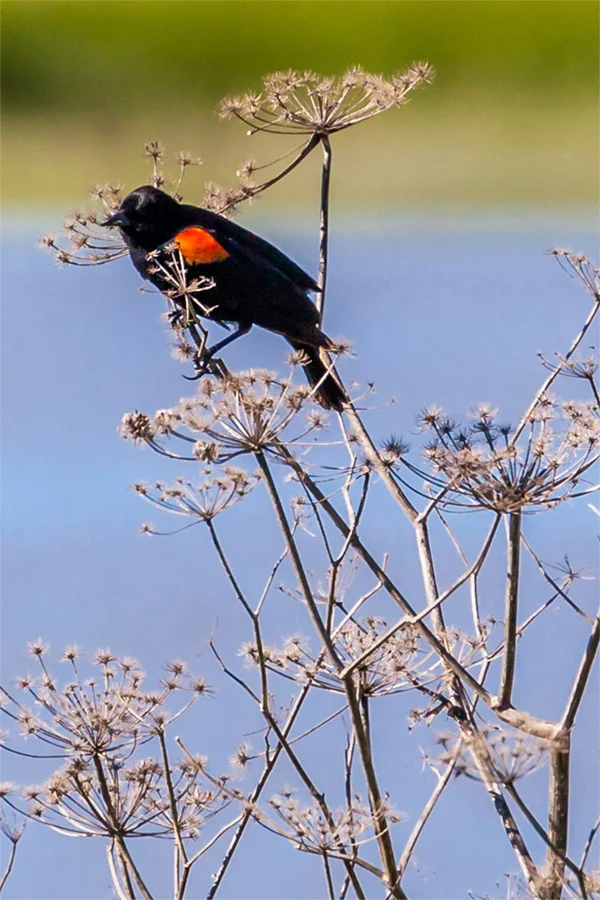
column 243, row 243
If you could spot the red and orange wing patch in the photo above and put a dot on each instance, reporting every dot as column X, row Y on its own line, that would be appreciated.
column 199, row 246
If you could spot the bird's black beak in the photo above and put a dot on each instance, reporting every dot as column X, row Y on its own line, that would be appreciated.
column 119, row 218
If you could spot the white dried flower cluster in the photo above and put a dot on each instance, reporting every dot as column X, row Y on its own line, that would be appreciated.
column 481, row 466
column 382, row 665
column 83, row 242
column 204, row 500
column 97, row 796
column 99, row 725
column 306, row 103
column 107, row 712
column 243, row 413
column 514, row 755
column 308, row 827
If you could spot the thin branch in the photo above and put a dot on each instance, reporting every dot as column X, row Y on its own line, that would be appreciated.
column 560, row 591
column 588, row 844
column 581, row 679
column 328, row 878
column 213, row 840
column 10, row 863
column 180, row 880
column 558, row 817
column 554, row 374
column 510, row 610
column 121, row 895
column 442, row 781
column 378, row 463
column 414, row 620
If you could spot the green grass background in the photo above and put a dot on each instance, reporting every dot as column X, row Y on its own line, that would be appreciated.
column 512, row 118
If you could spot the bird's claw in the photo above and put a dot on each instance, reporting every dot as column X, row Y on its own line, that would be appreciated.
column 202, row 366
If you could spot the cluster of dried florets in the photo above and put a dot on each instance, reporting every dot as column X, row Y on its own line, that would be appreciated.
column 201, row 501
column 84, row 242
column 248, row 412
column 514, row 755
column 308, row 827
column 96, row 797
column 481, row 465
column 384, row 661
column 97, row 725
column 107, row 712
column 313, row 106
column 579, row 267
column 305, row 103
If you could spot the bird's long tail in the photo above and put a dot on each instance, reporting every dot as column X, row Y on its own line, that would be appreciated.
column 318, row 370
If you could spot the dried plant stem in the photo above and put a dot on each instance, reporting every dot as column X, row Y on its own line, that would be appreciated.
column 121, row 895
column 480, row 756
column 581, row 679
column 588, row 844
column 558, row 818
column 383, row 577
column 181, row 869
column 9, row 865
column 362, row 734
column 122, row 863
column 442, row 781
column 555, row 373
column 264, row 777
column 324, row 224
column 577, row 871
column 253, row 616
column 264, row 705
column 382, row 469
column 306, row 150
column 560, row 591
column 122, row 851
column 510, row 610
column 297, row 562
column 328, row 878
column 414, row 620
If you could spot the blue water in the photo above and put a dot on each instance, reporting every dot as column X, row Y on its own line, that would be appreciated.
column 437, row 314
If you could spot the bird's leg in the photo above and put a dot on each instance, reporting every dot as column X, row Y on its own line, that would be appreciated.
column 176, row 317
column 204, row 357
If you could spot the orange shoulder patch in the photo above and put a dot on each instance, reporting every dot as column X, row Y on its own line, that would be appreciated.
column 198, row 246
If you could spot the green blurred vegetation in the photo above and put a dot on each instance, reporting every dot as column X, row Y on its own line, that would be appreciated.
column 512, row 116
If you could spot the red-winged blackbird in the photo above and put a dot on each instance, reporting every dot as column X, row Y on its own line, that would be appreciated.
column 254, row 282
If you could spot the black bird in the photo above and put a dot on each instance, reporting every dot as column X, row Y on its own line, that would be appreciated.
column 254, row 282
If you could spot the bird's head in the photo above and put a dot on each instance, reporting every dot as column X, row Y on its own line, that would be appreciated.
column 147, row 216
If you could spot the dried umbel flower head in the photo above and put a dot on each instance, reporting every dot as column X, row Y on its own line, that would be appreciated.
column 204, row 501
column 104, row 714
column 248, row 412
column 112, row 795
column 83, row 241
column 580, row 267
column 99, row 726
column 313, row 106
column 384, row 661
column 514, row 755
column 305, row 103
column 482, row 466
column 307, row 826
